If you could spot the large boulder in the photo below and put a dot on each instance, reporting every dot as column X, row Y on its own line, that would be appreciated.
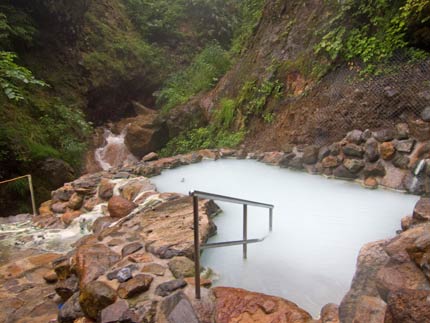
column 92, row 261
column 145, row 133
column 371, row 151
column 71, row 310
column 96, row 296
column 422, row 209
column 409, row 305
column 238, row 305
column 120, row 207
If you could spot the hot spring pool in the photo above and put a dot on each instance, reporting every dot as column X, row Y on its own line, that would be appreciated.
column 319, row 227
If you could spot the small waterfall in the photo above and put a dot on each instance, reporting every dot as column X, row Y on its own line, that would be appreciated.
column 114, row 153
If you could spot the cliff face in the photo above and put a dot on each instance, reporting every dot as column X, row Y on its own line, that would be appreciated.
column 283, row 92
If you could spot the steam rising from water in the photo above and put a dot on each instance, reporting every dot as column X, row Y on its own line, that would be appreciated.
column 114, row 153
column 319, row 227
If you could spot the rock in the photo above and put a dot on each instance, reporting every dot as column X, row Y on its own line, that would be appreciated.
column 390, row 92
column 419, row 130
column 353, row 165
column 371, row 182
column 94, row 297
column 131, row 248
column 406, row 240
column 90, row 204
column 286, row 159
column 238, row 305
column 273, row 158
column 191, row 158
column 119, row 207
column 371, row 151
column 310, row 155
column 370, row 310
column 209, row 154
column 203, row 282
column 92, row 261
column 122, row 175
column 122, row 274
column 59, row 207
column 406, row 222
column 130, row 190
column 405, row 146
column 146, row 133
column 150, row 157
column 66, row 288
column 68, row 217
column 330, row 314
column 102, row 223
column 168, row 163
column 71, row 310
column 400, row 161
column 402, row 131
column 414, row 185
column 366, row 135
column 409, row 305
column 394, row 276
column 323, row 153
column 387, row 150
column 422, row 209
column 385, row 135
column 354, row 136
column 50, row 277
column 181, row 267
column 425, row 114
column 420, row 253
column 343, row 172
column 353, row 150
column 135, row 286
column 76, row 201
column 62, row 194
column 55, row 171
column 335, row 149
column 169, row 287
column 371, row 258
column 45, row 208
column 330, row 162
column 374, row 170
column 155, row 269
column 106, row 189
column 141, row 257
column 115, row 312
column 62, row 267
column 177, row 308
column 296, row 163
column 168, row 227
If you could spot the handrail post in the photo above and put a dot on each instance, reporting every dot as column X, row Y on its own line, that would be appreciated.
column 245, row 231
column 270, row 219
column 196, row 245
column 33, row 201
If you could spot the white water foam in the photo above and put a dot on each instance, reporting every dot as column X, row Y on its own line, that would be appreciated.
column 114, row 153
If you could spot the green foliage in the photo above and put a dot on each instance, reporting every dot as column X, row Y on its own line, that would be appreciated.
column 371, row 30
column 14, row 78
column 225, row 114
column 201, row 75
column 269, row 117
column 253, row 98
column 15, row 25
column 250, row 12
column 202, row 138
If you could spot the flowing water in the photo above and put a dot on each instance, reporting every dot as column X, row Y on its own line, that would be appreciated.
column 319, row 227
column 114, row 153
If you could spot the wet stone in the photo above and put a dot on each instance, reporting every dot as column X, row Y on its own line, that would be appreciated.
column 181, row 267
column 131, row 248
column 154, row 269
column 135, row 286
column 94, row 297
column 114, row 313
column 178, row 309
column 122, row 274
column 401, row 161
column 353, row 150
column 405, row 146
column 169, row 287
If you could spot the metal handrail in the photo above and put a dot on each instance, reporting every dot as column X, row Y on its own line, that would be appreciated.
column 244, row 242
column 30, row 186
column 224, row 198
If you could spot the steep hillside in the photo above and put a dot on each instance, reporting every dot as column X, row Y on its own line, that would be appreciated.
column 316, row 69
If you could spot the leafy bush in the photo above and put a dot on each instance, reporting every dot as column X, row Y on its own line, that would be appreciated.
column 14, row 78
column 225, row 114
column 202, row 138
column 372, row 30
column 201, row 75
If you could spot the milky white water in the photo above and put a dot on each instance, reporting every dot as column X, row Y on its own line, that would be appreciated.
column 319, row 227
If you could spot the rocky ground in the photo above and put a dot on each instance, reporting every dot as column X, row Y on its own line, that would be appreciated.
column 127, row 250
